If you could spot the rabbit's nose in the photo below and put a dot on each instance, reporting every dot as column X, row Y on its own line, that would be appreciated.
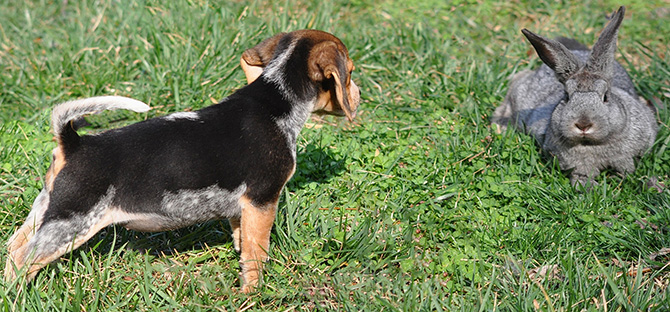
column 583, row 124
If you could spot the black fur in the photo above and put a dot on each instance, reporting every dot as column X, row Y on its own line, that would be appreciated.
column 302, row 86
column 231, row 143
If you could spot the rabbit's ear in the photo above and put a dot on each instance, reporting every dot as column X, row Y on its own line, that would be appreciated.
column 554, row 54
column 602, row 56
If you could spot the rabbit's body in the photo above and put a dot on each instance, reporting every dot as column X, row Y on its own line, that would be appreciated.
column 584, row 111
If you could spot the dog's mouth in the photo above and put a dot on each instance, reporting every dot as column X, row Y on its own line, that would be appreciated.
column 328, row 104
column 335, row 112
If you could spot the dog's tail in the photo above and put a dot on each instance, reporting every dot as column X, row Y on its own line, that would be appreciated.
column 64, row 115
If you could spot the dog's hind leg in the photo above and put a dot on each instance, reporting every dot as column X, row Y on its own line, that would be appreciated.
column 255, row 226
column 49, row 239
column 23, row 235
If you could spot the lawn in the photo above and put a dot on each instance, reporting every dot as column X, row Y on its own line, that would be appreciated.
column 418, row 205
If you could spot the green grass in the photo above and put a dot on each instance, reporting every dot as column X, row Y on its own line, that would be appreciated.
column 417, row 206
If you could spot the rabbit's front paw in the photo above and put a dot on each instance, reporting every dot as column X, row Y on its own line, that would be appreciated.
column 582, row 182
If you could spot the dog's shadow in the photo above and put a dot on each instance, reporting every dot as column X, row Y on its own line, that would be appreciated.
column 193, row 238
column 314, row 164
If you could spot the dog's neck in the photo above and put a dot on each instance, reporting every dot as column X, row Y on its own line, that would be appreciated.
column 292, row 123
column 288, row 72
column 301, row 99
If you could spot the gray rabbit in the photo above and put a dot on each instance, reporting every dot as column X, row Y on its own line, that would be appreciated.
column 581, row 106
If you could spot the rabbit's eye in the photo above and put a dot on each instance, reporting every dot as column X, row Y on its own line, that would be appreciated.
column 605, row 97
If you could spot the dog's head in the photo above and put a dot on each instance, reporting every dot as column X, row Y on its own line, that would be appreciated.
column 321, row 56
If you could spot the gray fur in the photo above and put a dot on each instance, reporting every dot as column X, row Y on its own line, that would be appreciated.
column 562, row 106
column 187, row 207
column 275, row 71
column 291, row 124
column 56, row 237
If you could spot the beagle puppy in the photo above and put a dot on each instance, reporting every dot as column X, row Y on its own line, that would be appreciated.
column 229, row 160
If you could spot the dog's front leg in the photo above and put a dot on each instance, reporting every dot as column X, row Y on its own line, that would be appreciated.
column 235, row 228
column 255, row 226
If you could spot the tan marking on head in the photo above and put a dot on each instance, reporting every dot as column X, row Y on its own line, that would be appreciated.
column 251, row 72
column 56, row 166
column 255, row 59
column 329, row 64
column 255, row 226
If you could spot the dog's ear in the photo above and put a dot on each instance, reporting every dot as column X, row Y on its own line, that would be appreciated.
column 327, row 61
column 255, row 59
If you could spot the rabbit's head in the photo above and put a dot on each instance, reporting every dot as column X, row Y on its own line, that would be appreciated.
column 591, row 111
